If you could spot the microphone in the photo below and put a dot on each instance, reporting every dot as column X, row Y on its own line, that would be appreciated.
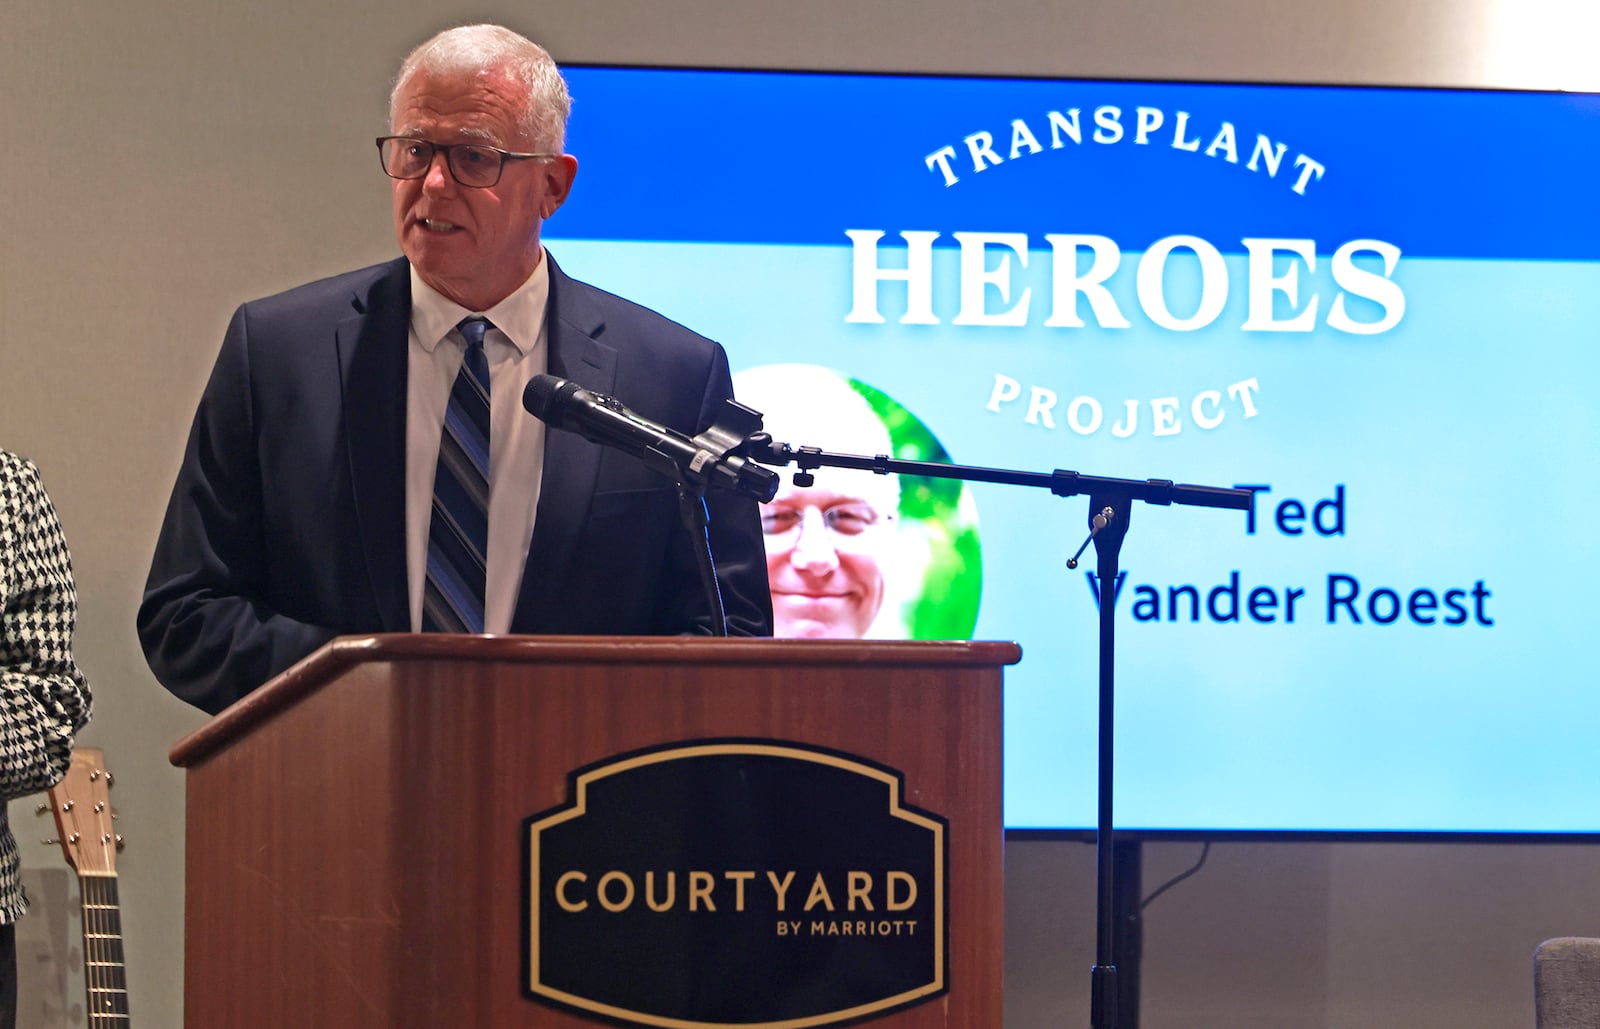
column 706, row 459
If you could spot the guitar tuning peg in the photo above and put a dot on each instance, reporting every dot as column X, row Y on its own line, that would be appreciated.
column 51, row 842
column 42, row 809
column 110, row 780
column 120, row 842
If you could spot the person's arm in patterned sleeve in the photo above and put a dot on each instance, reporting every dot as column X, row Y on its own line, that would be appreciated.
column 44, row 698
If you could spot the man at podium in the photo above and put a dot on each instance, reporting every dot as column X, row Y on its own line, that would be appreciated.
column 361, row 461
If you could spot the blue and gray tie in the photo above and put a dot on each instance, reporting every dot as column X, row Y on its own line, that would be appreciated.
column 458, row 535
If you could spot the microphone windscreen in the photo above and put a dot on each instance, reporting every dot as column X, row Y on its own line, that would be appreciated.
column 545, row 396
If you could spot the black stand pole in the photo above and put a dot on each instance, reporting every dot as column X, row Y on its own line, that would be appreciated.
column 697, row 520
column 1127, row 945
column 1110, row 503
column 1109, row 511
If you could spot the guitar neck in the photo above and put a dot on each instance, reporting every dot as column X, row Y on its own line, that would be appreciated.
column 104, row 974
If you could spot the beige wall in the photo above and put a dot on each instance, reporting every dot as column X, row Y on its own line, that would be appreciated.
column 164, row 161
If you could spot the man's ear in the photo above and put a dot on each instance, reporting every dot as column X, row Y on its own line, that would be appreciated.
column 559, row 174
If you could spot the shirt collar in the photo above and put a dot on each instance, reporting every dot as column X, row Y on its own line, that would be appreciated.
column 520, row 316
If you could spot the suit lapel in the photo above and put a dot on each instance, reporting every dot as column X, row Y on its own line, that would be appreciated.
column 571, row 464
column 373, row 345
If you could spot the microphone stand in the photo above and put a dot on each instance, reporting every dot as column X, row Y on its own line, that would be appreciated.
column 729, row 436
column 713, row 459
column 1110, row 505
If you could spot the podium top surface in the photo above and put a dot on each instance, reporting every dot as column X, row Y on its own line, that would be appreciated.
column 346, row 652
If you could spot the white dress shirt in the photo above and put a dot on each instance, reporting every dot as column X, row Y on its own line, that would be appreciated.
column 517, row 351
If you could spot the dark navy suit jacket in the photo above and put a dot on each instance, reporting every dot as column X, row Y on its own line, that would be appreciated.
column 287, row 523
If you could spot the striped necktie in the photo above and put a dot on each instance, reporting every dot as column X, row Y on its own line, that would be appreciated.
column 458, row 535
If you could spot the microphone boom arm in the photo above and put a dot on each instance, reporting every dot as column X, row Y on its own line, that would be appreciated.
column 1060, row 482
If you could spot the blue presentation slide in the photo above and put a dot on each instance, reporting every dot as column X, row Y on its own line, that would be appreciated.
column 1378, row 309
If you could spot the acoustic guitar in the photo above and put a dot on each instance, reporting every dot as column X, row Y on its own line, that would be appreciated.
column 82, row 807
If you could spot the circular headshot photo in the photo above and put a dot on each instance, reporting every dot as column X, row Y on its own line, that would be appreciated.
column 858, row 555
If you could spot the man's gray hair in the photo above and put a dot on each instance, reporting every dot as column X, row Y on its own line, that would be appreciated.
column 474, row 47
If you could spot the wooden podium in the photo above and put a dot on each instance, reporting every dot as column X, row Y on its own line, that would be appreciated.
column 355, row 827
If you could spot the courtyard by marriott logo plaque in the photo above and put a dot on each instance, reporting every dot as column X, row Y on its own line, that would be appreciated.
column 751, row 883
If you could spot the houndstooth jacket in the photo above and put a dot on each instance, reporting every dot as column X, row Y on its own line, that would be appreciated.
column 43, row 697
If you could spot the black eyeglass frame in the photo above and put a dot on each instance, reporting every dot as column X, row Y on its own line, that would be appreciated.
column 449, row 151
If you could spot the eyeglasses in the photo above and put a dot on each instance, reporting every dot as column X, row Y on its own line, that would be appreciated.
column 472, row 164
column 849, row 519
